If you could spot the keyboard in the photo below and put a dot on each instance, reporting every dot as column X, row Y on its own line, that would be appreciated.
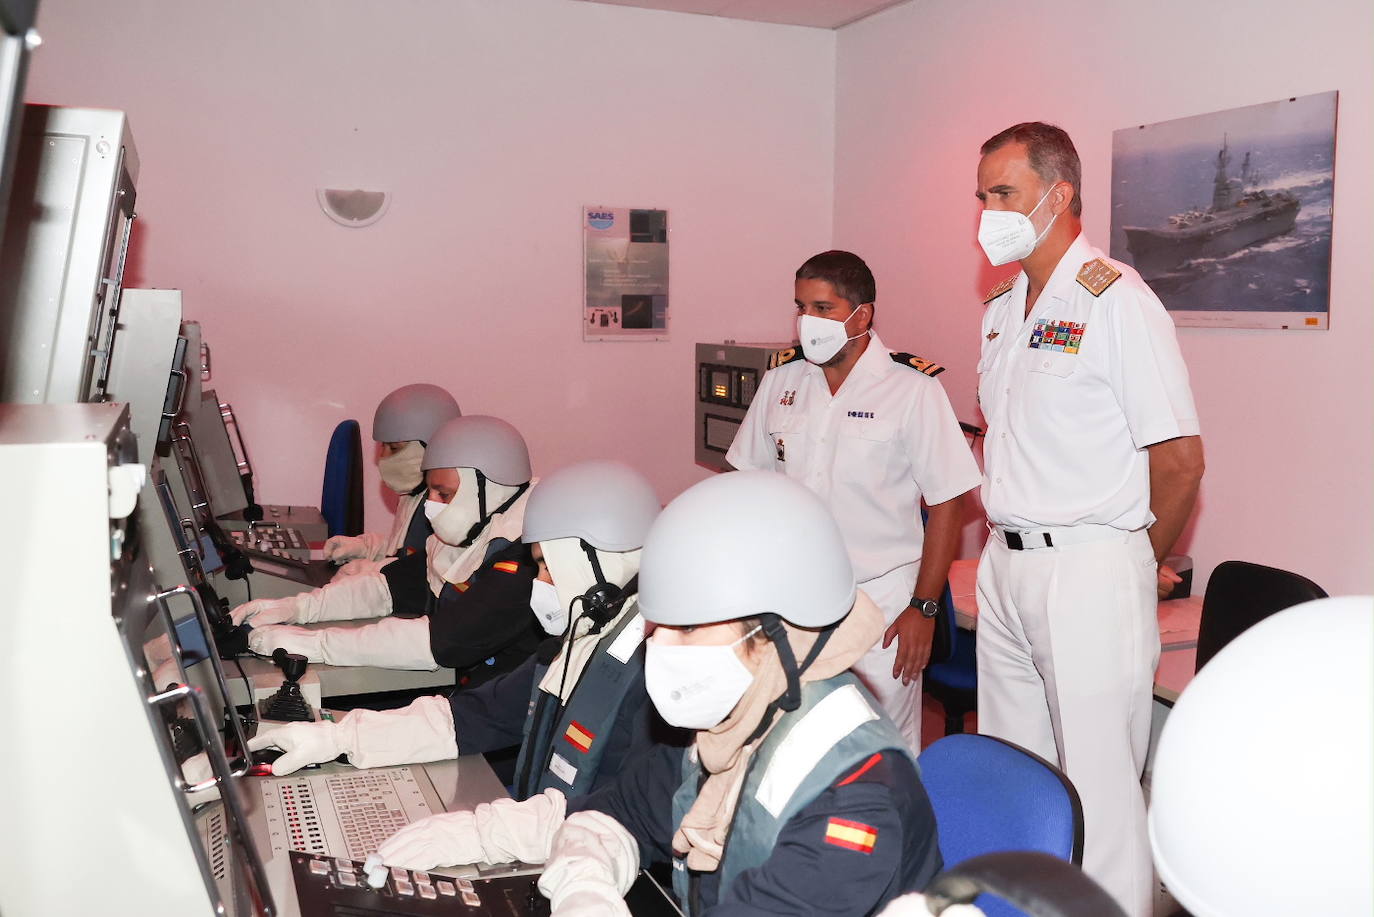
column 341, row 815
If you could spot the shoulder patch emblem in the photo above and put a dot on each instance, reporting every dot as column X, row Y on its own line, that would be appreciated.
column 579, row 737
column 1097, row 275
column 506, row 566
column 1000, row 289
column 782, row 357
column 917, row 363
column 851, row 835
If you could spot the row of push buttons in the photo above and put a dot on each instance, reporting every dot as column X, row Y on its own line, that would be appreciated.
column 403, row 883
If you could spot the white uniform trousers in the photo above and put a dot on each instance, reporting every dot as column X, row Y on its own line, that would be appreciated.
column 1068, row 640
column 891, row 592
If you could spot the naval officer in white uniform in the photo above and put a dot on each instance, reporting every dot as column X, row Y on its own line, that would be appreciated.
column 872, row 434
column 1092, row 461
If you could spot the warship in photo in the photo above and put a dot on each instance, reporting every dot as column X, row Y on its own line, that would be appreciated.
column 1241, row 214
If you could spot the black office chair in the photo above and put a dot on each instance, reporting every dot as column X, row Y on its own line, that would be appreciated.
column 1240, row 595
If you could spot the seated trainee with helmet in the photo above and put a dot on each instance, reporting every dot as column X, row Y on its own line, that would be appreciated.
column 403, row 424
column 469, row 609
column 577, row 722
column 799, row 795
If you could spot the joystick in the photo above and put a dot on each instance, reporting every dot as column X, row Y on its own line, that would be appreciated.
column 288, row 704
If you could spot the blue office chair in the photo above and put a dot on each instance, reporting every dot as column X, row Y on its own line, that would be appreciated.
column 990, row 795
column 1041, row 884
column 341, row 500
column 954, row 681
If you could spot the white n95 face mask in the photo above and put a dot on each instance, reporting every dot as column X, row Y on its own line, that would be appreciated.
column 552, row 614
column 401, row 470
column 695, row 687
column 822, row 338
column 432, row 509
column 1007, row 235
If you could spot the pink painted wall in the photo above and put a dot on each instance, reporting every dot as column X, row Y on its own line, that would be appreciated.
column 492, row 122
column 1288, row 417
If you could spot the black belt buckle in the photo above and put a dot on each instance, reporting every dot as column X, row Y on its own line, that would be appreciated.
column 1016, row 544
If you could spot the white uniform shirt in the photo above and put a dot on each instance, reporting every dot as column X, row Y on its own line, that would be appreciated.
column 870, row 451
column 1073, row 393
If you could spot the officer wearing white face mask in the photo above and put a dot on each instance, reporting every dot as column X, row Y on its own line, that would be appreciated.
column 402, row 425
column 799, row 795
column 609, row 506
column 1092, row 467
column 872, row 434
column 478, row 472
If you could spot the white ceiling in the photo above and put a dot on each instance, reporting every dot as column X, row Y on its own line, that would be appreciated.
column 825, row 14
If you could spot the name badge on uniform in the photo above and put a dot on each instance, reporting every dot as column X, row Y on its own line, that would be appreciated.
column 563, row 769
column 1048, row 334
column 628, row 640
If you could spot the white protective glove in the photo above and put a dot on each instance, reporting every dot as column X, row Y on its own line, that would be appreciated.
column 339, row 548
column 341, row 600
column 504, row 831
column 262, row 612
column 362, row 566
column 914, row 905
column 391, row 643
column 371, row 738
column 592, row 863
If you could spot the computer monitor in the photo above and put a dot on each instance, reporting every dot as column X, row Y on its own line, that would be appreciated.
column 67, row 229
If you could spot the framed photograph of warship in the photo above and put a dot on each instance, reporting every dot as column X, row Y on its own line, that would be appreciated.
column 1228, row 215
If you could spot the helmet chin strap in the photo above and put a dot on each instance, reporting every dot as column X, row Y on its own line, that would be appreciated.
column 482, row 517
column 790, row 699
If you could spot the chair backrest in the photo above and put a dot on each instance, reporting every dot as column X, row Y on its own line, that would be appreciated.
column 1240, row 595
column 341, row 499
column 990, row 796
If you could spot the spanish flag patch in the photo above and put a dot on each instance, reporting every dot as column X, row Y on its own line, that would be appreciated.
column 506, row 566
column 462, row 587
column 580, row 737
column 851, row 835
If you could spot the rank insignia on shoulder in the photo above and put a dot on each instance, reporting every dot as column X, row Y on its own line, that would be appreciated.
column 917, row 363
column 784, row 356
column 1096, row 275
column 851, row 835
column 506, row 566
column 1000, row 289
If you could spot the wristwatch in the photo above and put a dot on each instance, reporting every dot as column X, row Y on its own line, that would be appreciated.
column 928, row 608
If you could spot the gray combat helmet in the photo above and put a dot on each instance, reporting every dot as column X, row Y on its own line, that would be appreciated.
column 745, row 544
column 413, row 412
column 607, row 504
column 488, row 444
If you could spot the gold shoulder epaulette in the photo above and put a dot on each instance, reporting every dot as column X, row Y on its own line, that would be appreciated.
column 1001, row 288
column 1097, row 275
column 784, row 356
column 917, row 363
